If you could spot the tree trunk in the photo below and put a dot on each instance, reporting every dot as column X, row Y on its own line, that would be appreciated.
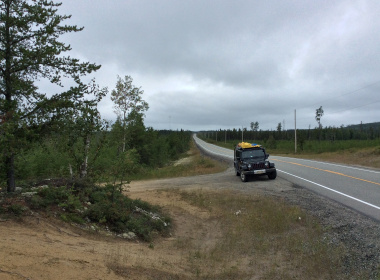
column 83, row 171
column 71, row 171
column 124, row 141
column 124, row 136
column 10, row 169
column 9, row 108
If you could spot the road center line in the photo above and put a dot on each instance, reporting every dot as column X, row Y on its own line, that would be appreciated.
column 330, row 171
column 330, row 189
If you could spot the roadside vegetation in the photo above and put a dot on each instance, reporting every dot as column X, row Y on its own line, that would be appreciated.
column 191, row 163
column 92, row 207
column 102, row 205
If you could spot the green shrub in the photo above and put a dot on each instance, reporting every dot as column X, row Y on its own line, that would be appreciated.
column 72, row 217
column 110, row 207
column 107, row 206
column 63, row 196
column 16, row 209
column 54, row 195
column 37, row 202
column 71, row 204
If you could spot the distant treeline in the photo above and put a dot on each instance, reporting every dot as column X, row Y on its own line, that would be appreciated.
column 367, row 131
column 324, row 139
column 365, row 126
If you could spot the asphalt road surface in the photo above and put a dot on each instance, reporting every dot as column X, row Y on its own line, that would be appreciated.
column 354, row 187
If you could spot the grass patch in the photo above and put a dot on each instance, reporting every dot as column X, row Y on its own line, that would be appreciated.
column 368, row 157
column 352, row 152
column 197, row 165
column 259, row 237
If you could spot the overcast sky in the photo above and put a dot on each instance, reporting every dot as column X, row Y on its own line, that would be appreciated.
column 222, row 64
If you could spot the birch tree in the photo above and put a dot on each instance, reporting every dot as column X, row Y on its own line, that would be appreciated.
column 127, row 99
column 80, row 129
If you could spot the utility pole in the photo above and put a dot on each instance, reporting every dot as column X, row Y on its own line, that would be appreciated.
column 295, row 132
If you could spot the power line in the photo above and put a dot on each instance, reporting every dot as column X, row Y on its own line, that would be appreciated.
column 347, row 93
column 356, row 107
column 268, row 121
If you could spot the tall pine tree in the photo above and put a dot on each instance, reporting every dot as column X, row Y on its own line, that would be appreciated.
column 29, row 52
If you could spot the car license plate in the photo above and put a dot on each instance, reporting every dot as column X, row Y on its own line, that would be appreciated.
column 259, row 171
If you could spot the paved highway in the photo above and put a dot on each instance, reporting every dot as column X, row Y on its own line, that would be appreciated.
column 357, row 188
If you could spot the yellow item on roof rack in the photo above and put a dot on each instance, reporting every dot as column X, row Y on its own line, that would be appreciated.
column 246, row 145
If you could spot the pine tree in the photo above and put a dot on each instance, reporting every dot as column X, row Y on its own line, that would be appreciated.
column 29, row 52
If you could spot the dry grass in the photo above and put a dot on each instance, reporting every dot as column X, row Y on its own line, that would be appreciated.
column 194, row 164
column 253, row 237
column 368, row 157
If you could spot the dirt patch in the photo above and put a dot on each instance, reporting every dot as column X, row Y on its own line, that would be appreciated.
column 183, row 161
column 44, row 248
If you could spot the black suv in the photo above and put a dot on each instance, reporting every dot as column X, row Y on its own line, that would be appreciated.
column 251, row 159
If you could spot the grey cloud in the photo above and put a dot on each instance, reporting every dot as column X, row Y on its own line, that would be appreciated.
column 243, row 60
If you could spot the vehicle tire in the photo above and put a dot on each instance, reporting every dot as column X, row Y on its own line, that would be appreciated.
column 243, row 177
column 272, row 175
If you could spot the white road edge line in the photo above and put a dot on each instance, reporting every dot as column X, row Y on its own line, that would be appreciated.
column 327, row 188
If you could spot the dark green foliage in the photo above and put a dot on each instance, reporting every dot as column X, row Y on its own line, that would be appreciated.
column 111, row 208
column 41, row 161
column 16, row 209
column 106, row 206
column 154, row 149
column 51, row 196
column 369, row 131
column 30, row 51
column 72, row 217
column 271, row 143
